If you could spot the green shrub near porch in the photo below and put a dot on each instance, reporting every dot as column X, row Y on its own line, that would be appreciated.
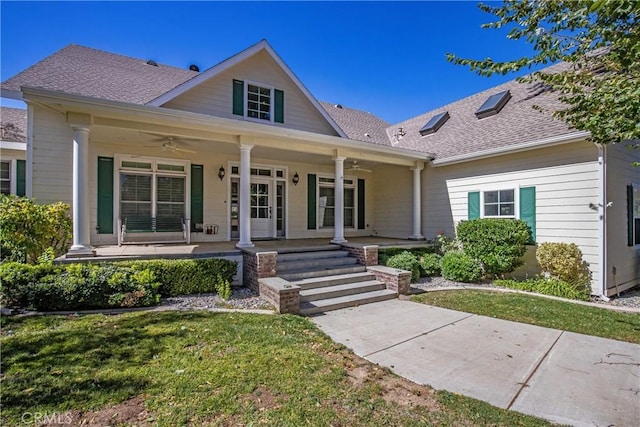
column 48, row 287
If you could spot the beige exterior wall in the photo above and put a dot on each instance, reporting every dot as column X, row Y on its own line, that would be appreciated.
column 215, row 96
column 623, row 259
column 393, row 212
column 52, row 156
column 566, row 181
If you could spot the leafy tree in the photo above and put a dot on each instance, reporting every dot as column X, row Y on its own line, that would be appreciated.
column 29, row 231
column 599, row 43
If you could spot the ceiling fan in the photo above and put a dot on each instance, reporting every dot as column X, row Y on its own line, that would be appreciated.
column 356, row 168
column 169, row 144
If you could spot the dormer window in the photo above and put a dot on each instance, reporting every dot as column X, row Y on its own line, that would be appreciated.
column 493, row 104
column 434, row 123
column 259, row 102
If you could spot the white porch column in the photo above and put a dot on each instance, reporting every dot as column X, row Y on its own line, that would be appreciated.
column 245, row 196
column 417, row 203
column 81, row 232
column 339, row 201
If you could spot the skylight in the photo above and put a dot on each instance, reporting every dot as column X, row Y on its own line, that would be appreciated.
column 493, row 104
column 434, row 123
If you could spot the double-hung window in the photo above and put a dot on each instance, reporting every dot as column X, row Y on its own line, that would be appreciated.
column 500, row 203
column 259, row 102
column 153, row 194
column 326, row 202
column 5, row 177
column 633, row 213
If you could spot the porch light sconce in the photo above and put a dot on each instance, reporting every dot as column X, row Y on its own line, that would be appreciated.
column 296, row 179
column 221, row 173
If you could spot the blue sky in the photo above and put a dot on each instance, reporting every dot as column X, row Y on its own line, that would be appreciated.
column 387, row 58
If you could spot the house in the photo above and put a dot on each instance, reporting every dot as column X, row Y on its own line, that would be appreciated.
column 13, row 149
column 243, row 151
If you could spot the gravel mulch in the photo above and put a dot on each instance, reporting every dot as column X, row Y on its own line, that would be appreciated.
column 629, row 299
column 241, row 298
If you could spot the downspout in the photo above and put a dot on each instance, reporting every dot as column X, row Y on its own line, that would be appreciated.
column 602, row 220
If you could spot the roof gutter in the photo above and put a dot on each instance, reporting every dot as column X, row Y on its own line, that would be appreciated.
column 230, row 126
column 530, row 145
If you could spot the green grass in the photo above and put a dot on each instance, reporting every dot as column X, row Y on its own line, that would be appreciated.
column 197, row 368
column 539, row 311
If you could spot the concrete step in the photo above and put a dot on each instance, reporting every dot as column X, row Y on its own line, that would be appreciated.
column 340, row 279
column 320, row 306
column 306, row 273
column 336, row 291
column 303, row 256
column 300, row 249
column 314, row 264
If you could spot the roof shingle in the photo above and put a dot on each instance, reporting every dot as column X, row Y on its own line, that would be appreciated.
column 13, row 124
column 358, row 125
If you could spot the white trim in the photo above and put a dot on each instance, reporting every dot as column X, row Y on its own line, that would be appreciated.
column 602, row 220
column 11, row 94
column 190, row 120
column 353, row 185
column 236, row 59
column 245, row 106
column 13, row 145
column 516, row 203
column 525, row 146
column 29, row 163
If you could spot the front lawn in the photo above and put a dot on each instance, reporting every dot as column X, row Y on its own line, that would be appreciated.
column 197, row 368
column 539, row 311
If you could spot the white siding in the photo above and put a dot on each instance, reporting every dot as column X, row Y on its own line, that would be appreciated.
column 566, row 181
column 624, row 259
column 52, row 156
column 215, row 96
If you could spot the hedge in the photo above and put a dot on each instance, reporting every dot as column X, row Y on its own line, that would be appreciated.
column 108, row 285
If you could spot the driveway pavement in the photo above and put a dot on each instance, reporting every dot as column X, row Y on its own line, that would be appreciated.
column 564, row 377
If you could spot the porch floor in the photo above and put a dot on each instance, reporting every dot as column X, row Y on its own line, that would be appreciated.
column 208, row 249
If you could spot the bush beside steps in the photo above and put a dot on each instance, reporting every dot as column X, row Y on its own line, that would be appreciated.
column 49, row 287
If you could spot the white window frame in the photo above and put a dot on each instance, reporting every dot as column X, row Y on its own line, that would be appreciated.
column 246, row 101
column 13, row 182
column 154, row 172
column 516, row 203
column 346, row 185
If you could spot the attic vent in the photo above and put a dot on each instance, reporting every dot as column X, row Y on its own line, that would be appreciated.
column 493, row 104
column 434, row 123
column 194, row 67
column 152, row 62
column 338, row 106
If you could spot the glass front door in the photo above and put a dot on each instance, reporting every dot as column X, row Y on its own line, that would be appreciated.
column 261, row 209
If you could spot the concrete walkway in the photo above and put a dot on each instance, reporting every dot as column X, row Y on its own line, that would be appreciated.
column 561, row 376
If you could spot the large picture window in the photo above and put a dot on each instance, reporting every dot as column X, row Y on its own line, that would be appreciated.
column 152, row 194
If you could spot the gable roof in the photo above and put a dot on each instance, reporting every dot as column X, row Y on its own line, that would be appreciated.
column 95, row 73
column 13, row 124
column 235, row 59
column 358, row 125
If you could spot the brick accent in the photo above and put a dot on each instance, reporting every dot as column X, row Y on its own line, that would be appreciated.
column 396, row 280
column 367, row 255
column 258, row 265
column 281, row 293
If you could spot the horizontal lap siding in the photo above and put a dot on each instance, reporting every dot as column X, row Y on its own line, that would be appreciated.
column 625, row 259
column 52, row 157
column 566, row 181
column 394, row 201
column 214, row 96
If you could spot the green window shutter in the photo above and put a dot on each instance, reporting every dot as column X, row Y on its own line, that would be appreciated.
column 105, row 195
column 361, row 216
column 197, row 196
column 630, row 236
column 311, row 202
column 278, row 109
column 528, row 209
column 21, row 178
column 238, row 97
column 473, row 205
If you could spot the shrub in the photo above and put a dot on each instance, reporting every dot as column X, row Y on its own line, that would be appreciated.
column 385, row 253
column 29, row 229
column 546, row 286
column 447, row 244
column 430, row 264
column 18, row 281
column 460, row 267
column 564, row 261
column 498, row 243
column 190, row 276
column 406, row 261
